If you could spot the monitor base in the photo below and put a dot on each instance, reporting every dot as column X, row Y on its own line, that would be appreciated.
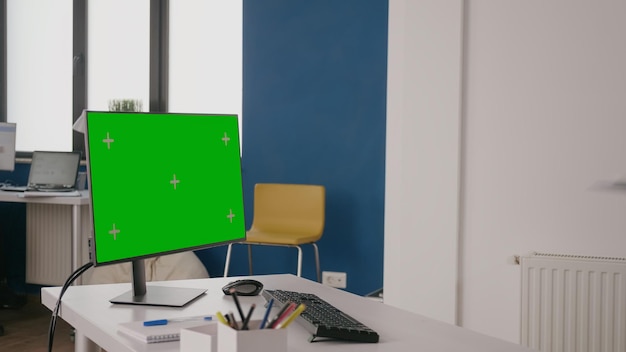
column 161, row 296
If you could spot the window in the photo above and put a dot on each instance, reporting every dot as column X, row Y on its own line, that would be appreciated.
column 205, row 56
column 39, row 73
column 119, row 52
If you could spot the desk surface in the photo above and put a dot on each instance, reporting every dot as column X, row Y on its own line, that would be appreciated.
column 87, row 308
column 14, row 197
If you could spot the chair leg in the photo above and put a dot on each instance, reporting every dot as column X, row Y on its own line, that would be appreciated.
column 250, row 259
column 299, row 260
column 227, row 263
column 299, row 269
column 317, row 262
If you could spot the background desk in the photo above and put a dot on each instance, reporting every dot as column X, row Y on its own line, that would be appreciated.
column 87, row 307
column 51, row 254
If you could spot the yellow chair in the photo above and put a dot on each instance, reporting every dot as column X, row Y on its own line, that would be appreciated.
column 287, row 215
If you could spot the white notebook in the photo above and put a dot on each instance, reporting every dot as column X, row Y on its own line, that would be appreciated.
column 159, row 333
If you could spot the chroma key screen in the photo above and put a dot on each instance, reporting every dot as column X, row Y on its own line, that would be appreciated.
column 162, row 183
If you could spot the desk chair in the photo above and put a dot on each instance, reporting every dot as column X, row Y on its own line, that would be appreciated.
column 286, row 215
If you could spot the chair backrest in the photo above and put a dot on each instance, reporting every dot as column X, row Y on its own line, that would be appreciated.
column 289, row 208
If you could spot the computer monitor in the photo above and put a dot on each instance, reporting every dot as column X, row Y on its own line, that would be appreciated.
column 162, row 183
column 7, row 146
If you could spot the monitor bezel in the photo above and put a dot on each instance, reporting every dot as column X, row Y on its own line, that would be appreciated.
column 141, row 294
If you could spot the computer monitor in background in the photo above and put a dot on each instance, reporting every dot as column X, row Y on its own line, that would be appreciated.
column 7, row 146
column 162, row 183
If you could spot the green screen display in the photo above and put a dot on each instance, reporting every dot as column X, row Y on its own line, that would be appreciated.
column 162, row 183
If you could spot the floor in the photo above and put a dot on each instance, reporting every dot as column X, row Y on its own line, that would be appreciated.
column 26, row 329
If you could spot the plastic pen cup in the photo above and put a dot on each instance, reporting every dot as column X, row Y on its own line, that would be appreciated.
column 251, row 340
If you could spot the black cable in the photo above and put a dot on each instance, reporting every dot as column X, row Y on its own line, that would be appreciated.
column 67, row 284
column 55, row 313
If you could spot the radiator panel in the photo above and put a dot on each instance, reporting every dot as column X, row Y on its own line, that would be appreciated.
column 573, row 304
column 49, row 242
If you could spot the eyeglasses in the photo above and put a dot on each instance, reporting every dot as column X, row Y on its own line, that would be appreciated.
column 244, row 287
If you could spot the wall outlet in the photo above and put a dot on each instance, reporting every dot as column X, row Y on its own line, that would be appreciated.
column 334, row 279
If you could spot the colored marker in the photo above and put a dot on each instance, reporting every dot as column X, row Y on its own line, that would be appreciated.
column 290, row 308
column 291, row 317
column 233, row 293
column 221, row 318
column 267, row 314
column 244, row 325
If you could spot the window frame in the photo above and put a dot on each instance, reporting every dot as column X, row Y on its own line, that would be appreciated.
column 3, row 61
column 79, row 69
column 159, row 55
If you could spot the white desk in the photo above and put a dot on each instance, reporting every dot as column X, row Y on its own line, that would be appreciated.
column 74, row 202
column 87, row 307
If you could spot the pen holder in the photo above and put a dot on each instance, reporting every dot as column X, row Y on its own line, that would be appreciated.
column 196, row 339
column 252, row 340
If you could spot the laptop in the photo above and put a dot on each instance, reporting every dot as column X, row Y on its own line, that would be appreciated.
column 7, row 146
column 51, row 172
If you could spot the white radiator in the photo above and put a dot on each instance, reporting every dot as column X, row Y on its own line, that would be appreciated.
column 573, row 303
column 49, row 242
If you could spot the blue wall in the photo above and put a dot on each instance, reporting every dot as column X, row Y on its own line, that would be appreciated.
column 314, row 102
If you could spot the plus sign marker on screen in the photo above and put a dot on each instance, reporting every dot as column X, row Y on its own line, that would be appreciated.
column 162, row 183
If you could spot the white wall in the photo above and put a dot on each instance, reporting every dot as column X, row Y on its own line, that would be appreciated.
column 543, row 121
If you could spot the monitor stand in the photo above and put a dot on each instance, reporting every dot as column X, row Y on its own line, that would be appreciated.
column 155, row 295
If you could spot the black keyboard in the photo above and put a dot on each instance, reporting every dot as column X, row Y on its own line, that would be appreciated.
column 321, row 318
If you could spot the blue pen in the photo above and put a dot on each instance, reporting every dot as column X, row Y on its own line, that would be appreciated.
column 267, row 313
column 174, row 320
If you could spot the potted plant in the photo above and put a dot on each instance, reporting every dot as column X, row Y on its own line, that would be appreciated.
column 125, row 105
